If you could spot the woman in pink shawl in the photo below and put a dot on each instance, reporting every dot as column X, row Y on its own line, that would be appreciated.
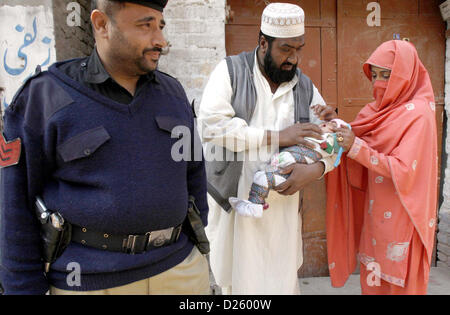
column 382, row 200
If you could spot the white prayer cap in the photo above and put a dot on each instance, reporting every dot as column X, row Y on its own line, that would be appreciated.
column 283, row 20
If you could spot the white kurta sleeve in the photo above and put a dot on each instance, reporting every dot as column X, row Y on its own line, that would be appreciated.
column 318, row 100
column 216, row 119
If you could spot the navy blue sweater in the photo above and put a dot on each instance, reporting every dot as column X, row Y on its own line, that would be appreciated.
column 103, row 165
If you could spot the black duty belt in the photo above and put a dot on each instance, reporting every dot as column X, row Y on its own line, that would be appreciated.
column 130, row 244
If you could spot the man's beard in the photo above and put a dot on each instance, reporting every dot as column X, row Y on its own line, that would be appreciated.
column 142, row 64
column 276, row 74
column 137, row 62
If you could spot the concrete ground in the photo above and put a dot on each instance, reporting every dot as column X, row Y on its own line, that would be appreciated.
column 439, row 284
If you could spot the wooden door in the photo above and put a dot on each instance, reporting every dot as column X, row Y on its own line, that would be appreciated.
column 417, row 20
column 318, row 61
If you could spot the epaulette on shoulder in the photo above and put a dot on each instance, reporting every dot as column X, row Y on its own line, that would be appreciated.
column 37, row 73
column 161, row 72
column 171, row 84
column 181, row 92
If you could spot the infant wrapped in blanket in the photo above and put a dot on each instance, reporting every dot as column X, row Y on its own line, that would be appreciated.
column 265, row 180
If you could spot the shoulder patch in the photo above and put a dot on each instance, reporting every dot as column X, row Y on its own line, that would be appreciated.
column 39, row 99
column 9, row 152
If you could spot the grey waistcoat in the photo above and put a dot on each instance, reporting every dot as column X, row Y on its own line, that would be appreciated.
column 223, row 176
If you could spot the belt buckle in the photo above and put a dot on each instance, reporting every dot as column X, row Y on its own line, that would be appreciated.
column 130, row 243
column 159, row 238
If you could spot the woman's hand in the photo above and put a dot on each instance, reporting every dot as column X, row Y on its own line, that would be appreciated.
column 345, row 138
column 325, row 113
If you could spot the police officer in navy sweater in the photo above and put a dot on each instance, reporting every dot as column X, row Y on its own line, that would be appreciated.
column 92, row 137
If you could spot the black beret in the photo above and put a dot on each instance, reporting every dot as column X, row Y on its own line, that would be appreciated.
column 154, row 4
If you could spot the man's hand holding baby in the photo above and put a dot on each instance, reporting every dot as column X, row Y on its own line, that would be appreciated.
column 296, row 134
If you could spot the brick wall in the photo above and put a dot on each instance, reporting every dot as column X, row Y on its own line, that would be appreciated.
column 443, row 245
column 196, row 32
column 72, row 41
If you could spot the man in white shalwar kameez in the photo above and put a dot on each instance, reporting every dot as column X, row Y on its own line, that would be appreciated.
column 261, row 255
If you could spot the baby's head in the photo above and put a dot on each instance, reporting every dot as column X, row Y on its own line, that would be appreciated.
column 329, row 126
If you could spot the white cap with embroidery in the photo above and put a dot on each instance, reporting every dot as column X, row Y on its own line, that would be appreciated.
column 283, row 20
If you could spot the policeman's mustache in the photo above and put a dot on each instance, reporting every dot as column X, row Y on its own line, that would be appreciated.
column 162, row 51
